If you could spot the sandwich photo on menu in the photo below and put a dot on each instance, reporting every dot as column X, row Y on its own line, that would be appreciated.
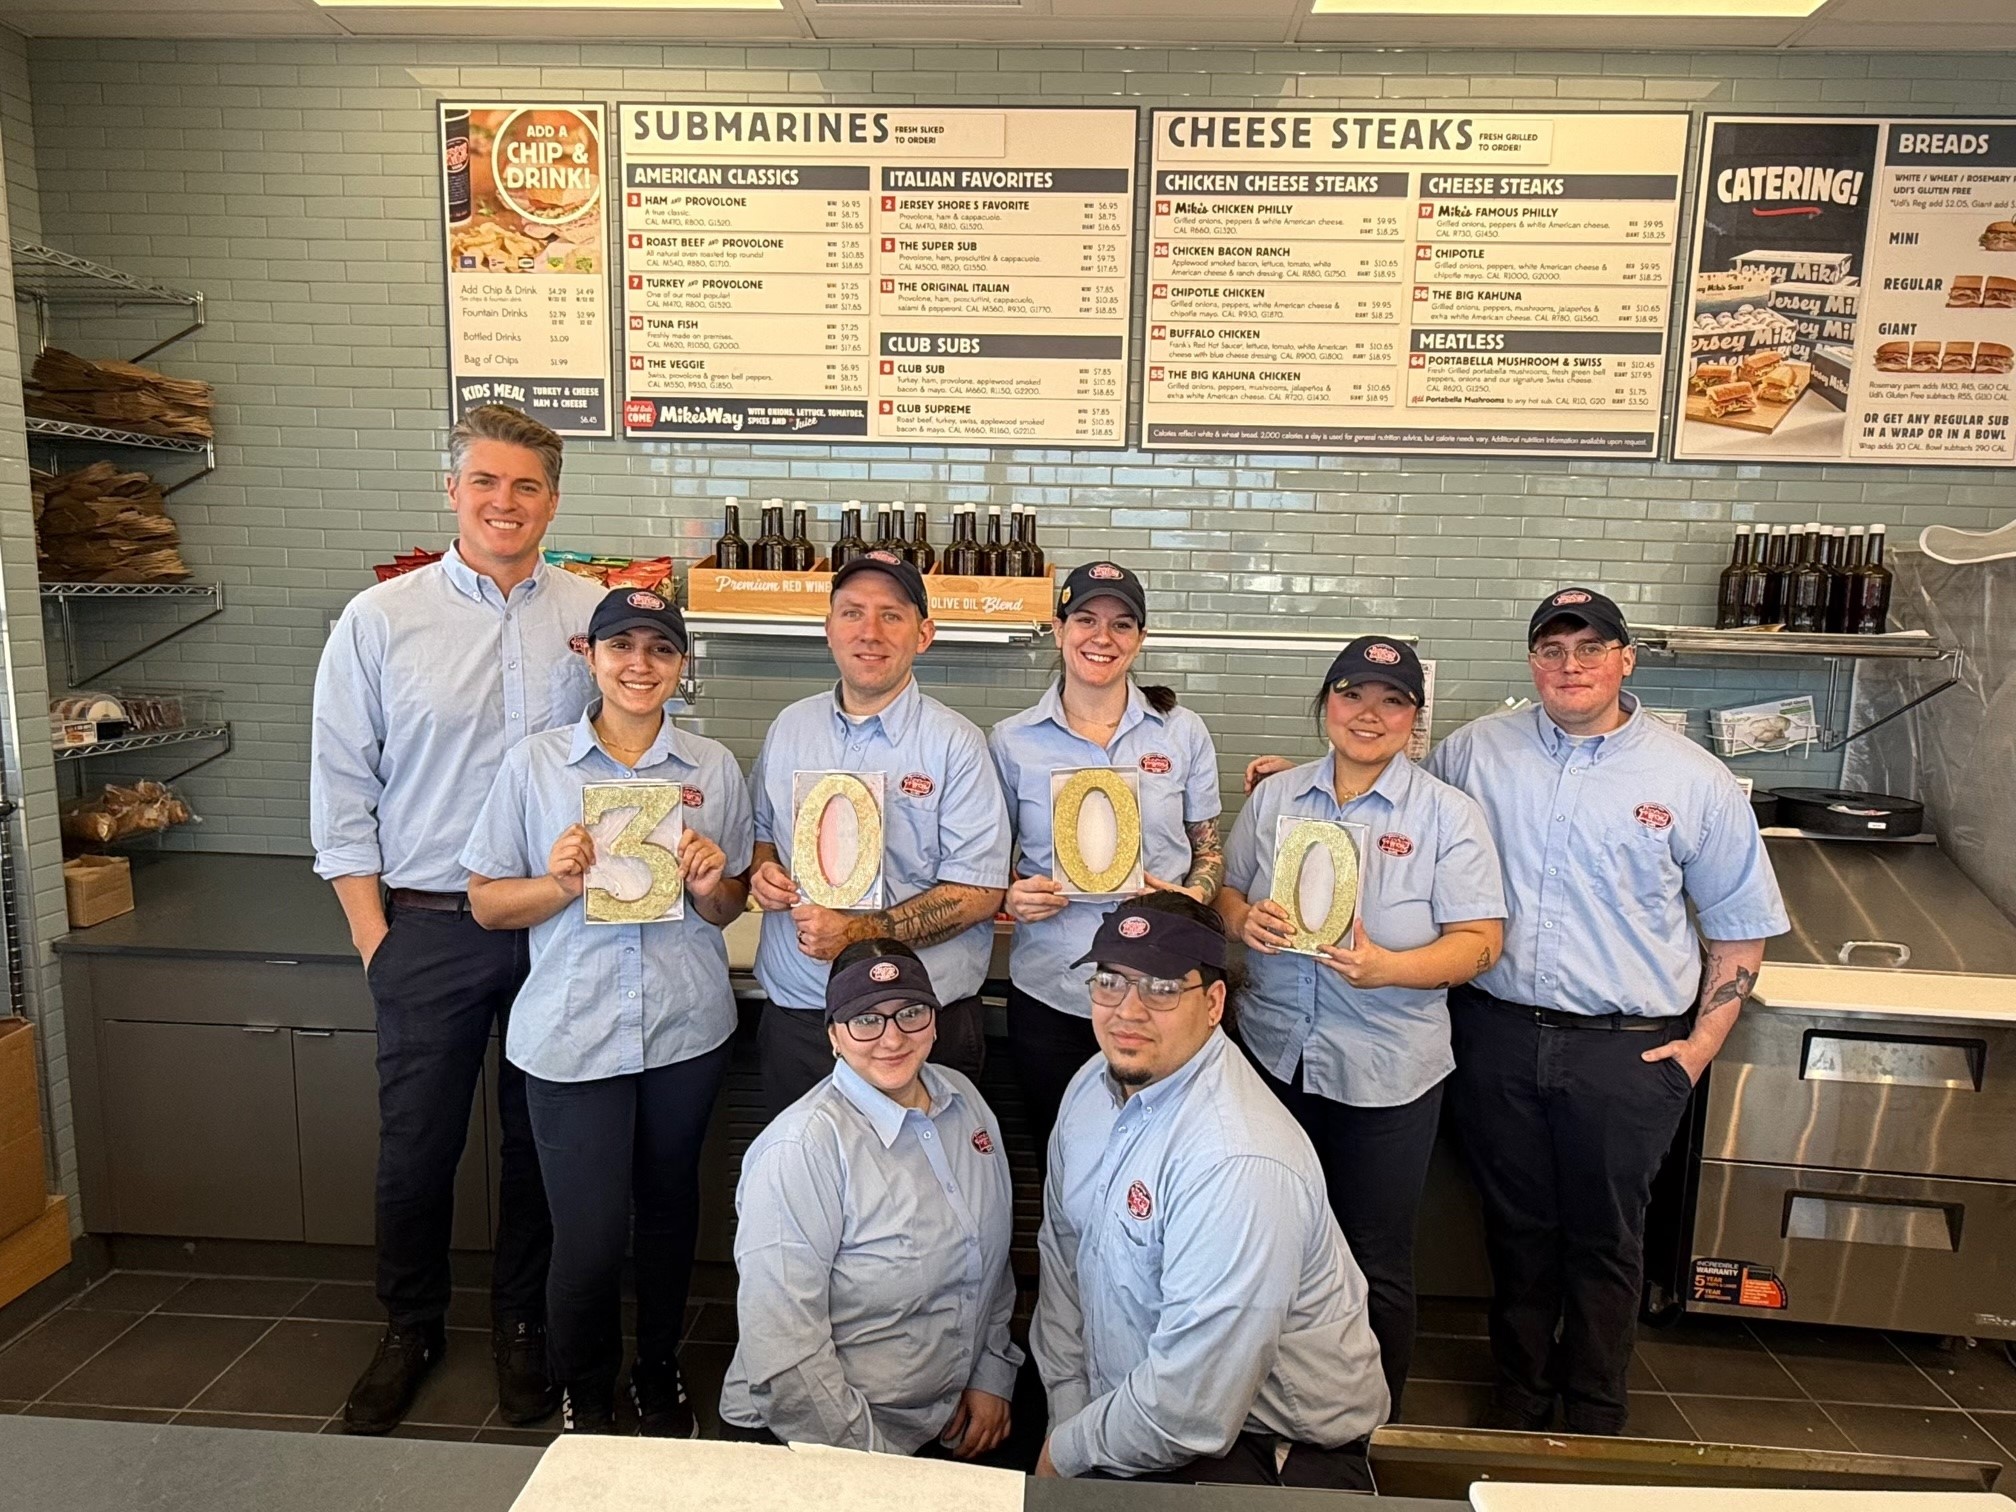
column 1727, row 399
column 1999, row 237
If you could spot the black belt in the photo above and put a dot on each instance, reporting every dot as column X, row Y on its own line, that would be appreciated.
column 433, row 902
column 1549, row 1018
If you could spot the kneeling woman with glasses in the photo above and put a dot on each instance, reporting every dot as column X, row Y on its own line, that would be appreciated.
column 874, row 1217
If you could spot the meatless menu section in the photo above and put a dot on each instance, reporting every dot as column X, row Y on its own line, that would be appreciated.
column 841, row 273
column 1420, row 282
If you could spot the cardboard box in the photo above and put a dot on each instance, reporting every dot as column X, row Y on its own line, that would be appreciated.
column 32, row 1255
column 97, row 888
column 804, row 595
column 22, row 1184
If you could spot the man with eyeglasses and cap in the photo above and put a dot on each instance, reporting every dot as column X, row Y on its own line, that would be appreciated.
column 944, row 830
column 1578, row 1051
column 1201, row 1318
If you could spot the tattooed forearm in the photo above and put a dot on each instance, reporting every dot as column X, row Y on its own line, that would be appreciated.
column 1736, row 990
column 935, row 916
column 1727, row 978
column 1207, row 858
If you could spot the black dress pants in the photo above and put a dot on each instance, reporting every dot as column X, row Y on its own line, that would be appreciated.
column 1047, row 1046
column 441, row 983
column 1563, row 1130
column 605, row 1146
column 1375, row 1165
column 794, row 1054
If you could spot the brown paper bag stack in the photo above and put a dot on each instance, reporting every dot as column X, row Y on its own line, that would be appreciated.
column 64, row 386
column 101, row 525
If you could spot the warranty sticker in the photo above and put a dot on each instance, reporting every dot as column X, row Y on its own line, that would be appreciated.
column 1737, row 1283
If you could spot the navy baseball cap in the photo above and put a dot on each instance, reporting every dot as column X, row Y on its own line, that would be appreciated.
column 1152, row 940
column 907, row 577
column 1585, row 606
column 1375, row 658
column 1103, row 580
column 866, row 985
column 638, row 609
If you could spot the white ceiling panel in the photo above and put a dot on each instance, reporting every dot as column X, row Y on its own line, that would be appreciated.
column 1548, row 32
column 1858, row 36
column 573, row 26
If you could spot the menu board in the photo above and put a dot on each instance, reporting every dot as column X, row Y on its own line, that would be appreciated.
column 837, row 273
column 1424, row 282
column 1854, row 293
column 527, row 241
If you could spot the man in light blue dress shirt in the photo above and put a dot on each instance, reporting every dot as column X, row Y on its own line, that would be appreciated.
column 945, row 829
column 427, row 680
column 1578, row 1052
column 1200, row 1317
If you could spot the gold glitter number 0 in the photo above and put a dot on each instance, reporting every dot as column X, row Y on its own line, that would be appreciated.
column 655, row 803
column 1287, row 891
column 809, row 874
column 1127, row 825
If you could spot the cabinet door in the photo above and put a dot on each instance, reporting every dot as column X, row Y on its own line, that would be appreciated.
column 199, row 1123
column 336, row 1082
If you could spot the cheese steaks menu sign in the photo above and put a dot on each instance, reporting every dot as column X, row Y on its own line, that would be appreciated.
column 844, row 273
column 1428, row 282
column 1854, row 293
column 525, row 225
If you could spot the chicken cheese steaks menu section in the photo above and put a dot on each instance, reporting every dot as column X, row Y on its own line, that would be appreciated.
column 837, row 273
column 1854, row 293
column 1427, row 282
column 526, row 228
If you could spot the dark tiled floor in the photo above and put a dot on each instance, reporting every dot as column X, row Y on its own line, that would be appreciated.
column 262, row 1353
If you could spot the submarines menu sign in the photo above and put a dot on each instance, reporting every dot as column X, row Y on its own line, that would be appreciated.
column 1430, row 282
column 839, row 273
column 527, row 243
column 1854, row 293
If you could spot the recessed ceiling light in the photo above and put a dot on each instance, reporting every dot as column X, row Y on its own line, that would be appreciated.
column 556, row 5
column 1615, row 10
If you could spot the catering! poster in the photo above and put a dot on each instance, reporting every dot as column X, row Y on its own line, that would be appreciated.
column 1854, row 293
column 842, row 273
column 1429, row 282
column 526, row 236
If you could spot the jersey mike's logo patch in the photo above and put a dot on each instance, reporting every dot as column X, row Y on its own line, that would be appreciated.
column 1396, row 845
column 1139, row 1203
column 1106, row 572
column 578, row 644
column 917, row 785
column 643, row 599
column 983, row 1141
column 1156, row 764
column 884, row 971
column 692, row 797
column 1654, row 816
column 1571, row 596
column 1385, row 655
column 884, row 556
column 1132, row 927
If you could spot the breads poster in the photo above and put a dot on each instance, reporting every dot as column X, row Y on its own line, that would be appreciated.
column 1853, row 294
column 525, row 223
column 1427, row 282
column 867, row 274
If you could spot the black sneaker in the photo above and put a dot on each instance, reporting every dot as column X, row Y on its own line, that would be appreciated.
column 384, row 1393
column 585, row 1415
column 1508, row 1414
column 525, row 1391
column 662, row 1408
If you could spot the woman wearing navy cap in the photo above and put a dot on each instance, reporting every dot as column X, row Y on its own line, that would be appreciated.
column 1355, row 1039
column 622, row 1029
column 1094, row 715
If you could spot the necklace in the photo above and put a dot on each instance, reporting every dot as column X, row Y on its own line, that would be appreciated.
column 617, row 745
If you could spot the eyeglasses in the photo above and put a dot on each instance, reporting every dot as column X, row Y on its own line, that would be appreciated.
column 1586, row 654
column 1157, row 994
column 911, row 1018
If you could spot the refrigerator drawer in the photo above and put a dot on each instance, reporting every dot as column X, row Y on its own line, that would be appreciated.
column 1863, row 1093
column 1922, row 1254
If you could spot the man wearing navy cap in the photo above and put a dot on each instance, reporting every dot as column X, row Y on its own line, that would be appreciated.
column 1578, row 1052
column 944, row 824
column 1200, row 1318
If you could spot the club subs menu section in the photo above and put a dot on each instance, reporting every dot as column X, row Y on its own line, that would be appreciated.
column 852, row 273
column 1425, row 282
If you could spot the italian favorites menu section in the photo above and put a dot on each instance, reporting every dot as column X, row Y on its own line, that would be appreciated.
column 1430, row 282
column 844, row 273
column 1854, row 293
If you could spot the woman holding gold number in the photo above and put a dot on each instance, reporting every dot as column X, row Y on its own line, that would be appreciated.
column 622, row 1028
column 1353, row 946
column 1142, row 792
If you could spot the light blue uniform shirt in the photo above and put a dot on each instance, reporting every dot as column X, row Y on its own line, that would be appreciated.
column 942, row 821
column 1195, row 1284
column 427, row 680
column 612, row 999
column 1605, row 840
column 872, row 1243
column 1179, row 787
column 1428, row 861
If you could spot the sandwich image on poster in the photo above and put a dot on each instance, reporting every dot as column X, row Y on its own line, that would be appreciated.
column 1095, row 830
column 635, row 878
column 837, row 838
column 1318, row 866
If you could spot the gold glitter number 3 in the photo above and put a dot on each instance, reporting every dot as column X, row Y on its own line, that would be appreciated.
column 654, row 802
column 1290, row 856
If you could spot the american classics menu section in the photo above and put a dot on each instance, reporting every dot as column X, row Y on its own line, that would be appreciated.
column 1854, row 292
column 1425, row 282
column 839, row 273
column 526, row 230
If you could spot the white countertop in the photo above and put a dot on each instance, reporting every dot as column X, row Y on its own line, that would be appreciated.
column 1930, row 995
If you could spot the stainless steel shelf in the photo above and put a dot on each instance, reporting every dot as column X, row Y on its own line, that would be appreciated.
column 154, row 740
column 175, row 597
column 212, row 592
column 105, row 435
column 61, row 277
column 755, row 627
column 1689, row 640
